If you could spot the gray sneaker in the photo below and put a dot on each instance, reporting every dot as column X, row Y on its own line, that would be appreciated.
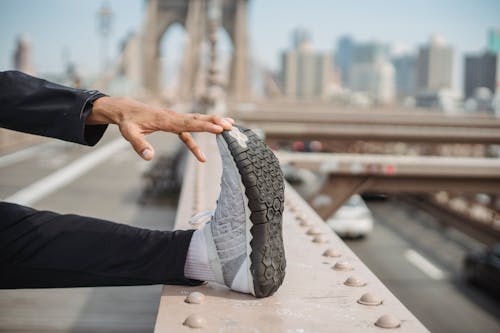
column 244, row 236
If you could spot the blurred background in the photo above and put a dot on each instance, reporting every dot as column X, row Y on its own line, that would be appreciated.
column 427, row 54
column 384, row 114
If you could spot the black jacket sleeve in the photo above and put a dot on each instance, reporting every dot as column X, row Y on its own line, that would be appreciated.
column 36, row 106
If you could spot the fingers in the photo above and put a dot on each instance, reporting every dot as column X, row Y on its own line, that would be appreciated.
column 142, row 147
column 225, row 123
column 195, row 122
column 193, row 147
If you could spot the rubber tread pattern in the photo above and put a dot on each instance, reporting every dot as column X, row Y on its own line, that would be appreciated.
column 263, row 180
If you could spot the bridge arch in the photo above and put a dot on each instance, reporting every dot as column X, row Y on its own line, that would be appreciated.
column 191, row 14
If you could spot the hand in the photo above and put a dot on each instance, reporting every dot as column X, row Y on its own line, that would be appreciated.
column 136, row 119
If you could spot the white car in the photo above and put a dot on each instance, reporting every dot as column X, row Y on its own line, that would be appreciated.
column 353, row 219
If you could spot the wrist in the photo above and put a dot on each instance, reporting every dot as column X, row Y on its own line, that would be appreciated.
column 103, row 112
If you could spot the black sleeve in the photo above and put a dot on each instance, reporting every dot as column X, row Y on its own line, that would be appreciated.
column 32, row 105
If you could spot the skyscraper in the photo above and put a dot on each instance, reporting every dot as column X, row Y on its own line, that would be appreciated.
column 435, row 64
column 371, row 72
column 481, row 70
column 370, row 52
column 305, row 73
column 343, row 58
column 406, row 74
column 494, row 40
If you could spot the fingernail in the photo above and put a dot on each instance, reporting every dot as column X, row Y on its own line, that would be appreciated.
column 203, row 157
column 225, row 122
column 231, row 120
column 147, row 154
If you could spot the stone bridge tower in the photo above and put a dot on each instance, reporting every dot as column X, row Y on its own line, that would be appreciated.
column 191, row 14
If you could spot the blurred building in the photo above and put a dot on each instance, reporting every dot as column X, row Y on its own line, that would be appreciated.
column 306, row 74
column 494, row 40
column 482, row 77
column 370, row 52
column 405, row 67
column 343, row 58
column 23, row 56
column 371, row 72
column 435, row 76
column 376, row 80
column 435, row 65
column 481, row 70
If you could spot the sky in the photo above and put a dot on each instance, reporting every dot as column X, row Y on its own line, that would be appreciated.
column 67, row 29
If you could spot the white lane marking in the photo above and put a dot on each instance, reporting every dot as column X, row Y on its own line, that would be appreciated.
column 22, row 155
column 64, row 176
column 419, row 261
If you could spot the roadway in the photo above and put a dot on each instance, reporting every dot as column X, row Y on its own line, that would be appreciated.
column 109, row 190
column 420, row 264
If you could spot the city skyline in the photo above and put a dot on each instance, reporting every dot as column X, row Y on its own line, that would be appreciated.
column 464, row 25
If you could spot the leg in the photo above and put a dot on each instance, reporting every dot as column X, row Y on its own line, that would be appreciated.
column 40, row 249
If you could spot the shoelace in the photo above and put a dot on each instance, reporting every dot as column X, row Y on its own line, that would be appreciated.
column 198, row 220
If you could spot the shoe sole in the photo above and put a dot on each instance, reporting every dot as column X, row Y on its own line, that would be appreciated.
column 264, row 188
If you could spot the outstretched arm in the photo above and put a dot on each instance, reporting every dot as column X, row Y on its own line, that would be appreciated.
column 32, row 105
column 136, row 119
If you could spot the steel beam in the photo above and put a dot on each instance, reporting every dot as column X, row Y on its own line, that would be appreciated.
column 377, row 132
column 391, row 165
column 298, row 114
column 338, row 190
column 349, row 174
column 306, row 121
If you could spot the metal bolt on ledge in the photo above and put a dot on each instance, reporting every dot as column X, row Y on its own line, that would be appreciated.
column 342, row 266
column 388, row 321
column 331, row 253
column 370, row 299
column 195, row 321
column 195, row 298
column 305, row 223
column 313, row 231
column 354, row 281
column 320, row 239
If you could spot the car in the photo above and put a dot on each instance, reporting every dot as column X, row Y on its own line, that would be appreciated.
column 483, row 268
column 353, row 219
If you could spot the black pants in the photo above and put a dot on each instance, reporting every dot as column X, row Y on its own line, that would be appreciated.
column 40, row 249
